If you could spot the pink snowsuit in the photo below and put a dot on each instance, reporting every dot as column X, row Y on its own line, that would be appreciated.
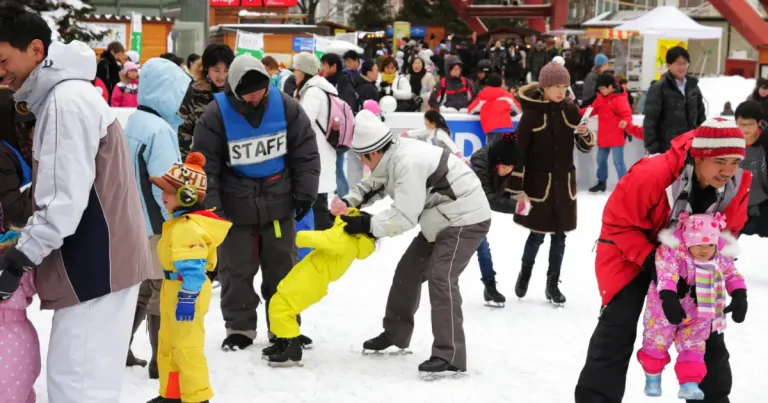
column 19, row 346
column 126, row 94
column 673, row 262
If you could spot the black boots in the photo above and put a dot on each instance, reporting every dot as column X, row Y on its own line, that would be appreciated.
column 153, row 325
column 523, row 279
column 492, row 296
column 599, row 187
column 236, row 341
column 553, row 290
column 378, row 343
column 288, row 353
column 138, row 318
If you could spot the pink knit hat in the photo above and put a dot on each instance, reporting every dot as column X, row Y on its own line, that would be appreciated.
column 128, row 66
column 700, row 229
column 372, row 106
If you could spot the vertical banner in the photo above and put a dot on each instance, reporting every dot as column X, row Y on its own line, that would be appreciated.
column 321, row 46
column 136, row 40
column 249, row 43
column 664, row 45
column 400, row 29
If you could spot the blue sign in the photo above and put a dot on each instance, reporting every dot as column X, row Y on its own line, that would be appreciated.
column 303, row 44
column 418, row 31
column 388, row 31
column 468, row 135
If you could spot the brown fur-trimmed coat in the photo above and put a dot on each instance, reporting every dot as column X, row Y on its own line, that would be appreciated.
column 546, row 174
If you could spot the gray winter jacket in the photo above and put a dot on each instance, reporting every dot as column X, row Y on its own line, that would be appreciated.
column 429, row 186
column 250, row 201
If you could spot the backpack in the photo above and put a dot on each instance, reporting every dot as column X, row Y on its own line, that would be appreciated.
column 340, row 139
column 442, row 92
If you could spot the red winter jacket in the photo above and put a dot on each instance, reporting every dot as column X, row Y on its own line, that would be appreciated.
column 610, row 111
column 639, row 208
column 495, row 107
column 101, row 88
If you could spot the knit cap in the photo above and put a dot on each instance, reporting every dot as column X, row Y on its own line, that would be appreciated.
column 189, row 173
column 504, row 151
column 372, row 106
column 307, row 63
column 554, row 74
column 601, row 60
column 718, row 138
column 371, row 134
column 700, row 229
column 128, row 66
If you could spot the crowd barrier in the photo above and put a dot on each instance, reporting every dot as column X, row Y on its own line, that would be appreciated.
column 468, row 135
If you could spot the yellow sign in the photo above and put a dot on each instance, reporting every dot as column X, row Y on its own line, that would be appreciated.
column 401, row 29
column 662, row 47
column 339, row 31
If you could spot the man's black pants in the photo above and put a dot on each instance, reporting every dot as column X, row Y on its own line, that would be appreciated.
column 612, row 345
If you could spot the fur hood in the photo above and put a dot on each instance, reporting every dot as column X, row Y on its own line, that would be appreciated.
column 201, row 82
column 727, row 245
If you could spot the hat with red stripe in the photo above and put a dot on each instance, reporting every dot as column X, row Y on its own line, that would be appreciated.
column 718, row 138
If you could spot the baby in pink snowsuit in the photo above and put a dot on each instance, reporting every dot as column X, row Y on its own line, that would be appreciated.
column 702, row 256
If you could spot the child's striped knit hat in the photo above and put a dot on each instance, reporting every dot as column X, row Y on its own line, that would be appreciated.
column 718, row 138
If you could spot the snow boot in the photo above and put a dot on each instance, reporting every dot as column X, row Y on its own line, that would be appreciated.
column 138, row 318
column 652, row 385
column 492, row 296
column 236, row 341
column 436, row 367
column 690, row 391
column 379, row 344
column 153, row 325
column 523, row 279
column 599, row 187
column 552, row 291
column 289, row 354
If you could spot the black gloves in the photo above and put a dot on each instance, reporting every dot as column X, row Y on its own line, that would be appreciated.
column 13, row 264
column 302, row 208
column 357, row 225
column 738, row 305
column 649, row 266
column 671, row 306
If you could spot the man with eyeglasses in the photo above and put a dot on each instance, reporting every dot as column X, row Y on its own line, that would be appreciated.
column 674, row 104
column 749, row 118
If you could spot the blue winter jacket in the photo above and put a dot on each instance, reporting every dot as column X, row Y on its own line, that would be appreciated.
column 151, row 133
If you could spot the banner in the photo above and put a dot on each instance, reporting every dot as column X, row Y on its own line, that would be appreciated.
column 350, row 37
column 303, row 44
column 249, row 43
column 136, row 41
column 662, row 47
column 401, row 29
column 321, row 45
column 115, row 33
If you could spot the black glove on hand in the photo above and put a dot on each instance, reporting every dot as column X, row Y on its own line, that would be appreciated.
column 13, row 264
column 358, row 225
column 302, row 208
column 671, row 306
column 649, row 266
column 738, row 306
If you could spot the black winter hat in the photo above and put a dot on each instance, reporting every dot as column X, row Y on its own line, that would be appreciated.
column 251, row 82
column 504, row 151
column 494, row 80
column 484, row 66
column 606, row 80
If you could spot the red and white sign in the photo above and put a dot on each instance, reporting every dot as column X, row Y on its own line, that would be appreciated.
column 225, row 3
column 279, row 3
column 252, row 3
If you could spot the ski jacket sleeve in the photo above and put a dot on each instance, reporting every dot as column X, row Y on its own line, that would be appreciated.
column 622, row 109
column 409, row 196
column 442, row 137
column 117, row 97
column 476, row 105
column 734, row 280
column 189, row 253
column 303, row 157
column 209, row 140
column 584, row 142
column 160, row 154
column 653, row 105
column 65, row 176
column 667, row 268
column 418, row 134
column 501, row 203
column 402, row 89
column 365, row 193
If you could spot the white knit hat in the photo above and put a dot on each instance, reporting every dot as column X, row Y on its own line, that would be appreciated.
column 306, row 62
column 371, row 134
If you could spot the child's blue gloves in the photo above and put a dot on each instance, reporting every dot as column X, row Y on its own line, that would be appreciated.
column 185, row 308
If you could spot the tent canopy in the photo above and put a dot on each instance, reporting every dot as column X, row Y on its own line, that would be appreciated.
column 670, row 22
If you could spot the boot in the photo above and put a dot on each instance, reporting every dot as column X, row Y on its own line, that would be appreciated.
column 138, row 317
column 289, row 354
column 552, row 291
column 436, row 364
column 491, row 295
column 236, row 341
column 161, row 399
column 378, row 343
column 523, row 279
column 599, row 187
column 652, row 385
column 690, row 391
column 153, row 325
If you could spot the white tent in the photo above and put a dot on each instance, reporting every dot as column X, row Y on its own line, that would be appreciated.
column 670, row 22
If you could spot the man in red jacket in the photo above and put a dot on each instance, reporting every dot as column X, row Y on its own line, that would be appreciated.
column 700, row 173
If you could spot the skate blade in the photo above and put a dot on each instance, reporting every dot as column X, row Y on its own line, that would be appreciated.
column 287, row 364
column 381, row 353
column 307, row 347
column 495, row 304
column 436, row 376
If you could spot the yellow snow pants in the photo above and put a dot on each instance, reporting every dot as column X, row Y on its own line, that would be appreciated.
column 180, row 357
column 304, row 286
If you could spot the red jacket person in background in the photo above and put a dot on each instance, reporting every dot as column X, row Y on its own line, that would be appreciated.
column 700, row 173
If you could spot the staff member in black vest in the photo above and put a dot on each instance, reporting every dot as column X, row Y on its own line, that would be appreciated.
column 263, row 170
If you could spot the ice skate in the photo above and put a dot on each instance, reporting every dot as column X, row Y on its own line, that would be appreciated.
column 599, row 187
column 492, row 296
column 552, row 291
column 652, row 385
column 690, row 391
column 437, row 368
column 306, row 344
column 235, row 342
column 289, row 354
column 161, row 399
column 523, row 279
column 380, row 345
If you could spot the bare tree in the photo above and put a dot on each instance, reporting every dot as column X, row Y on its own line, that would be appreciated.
column 309, row 7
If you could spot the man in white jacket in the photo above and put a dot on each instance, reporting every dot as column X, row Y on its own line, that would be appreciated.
column 433, row 188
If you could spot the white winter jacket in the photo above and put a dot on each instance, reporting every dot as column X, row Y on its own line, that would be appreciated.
column 401, row 87
column 428, row 185
column 436, row 137
column 314, row 100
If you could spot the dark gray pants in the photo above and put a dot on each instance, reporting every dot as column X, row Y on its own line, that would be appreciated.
column 245, row 249
column 149, row 296
column 440, row 263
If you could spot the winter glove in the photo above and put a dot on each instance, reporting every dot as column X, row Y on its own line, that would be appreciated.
column 358, row 225
column 13, row 264
column 649, row 266
column 185, row 308
column 302, row 208
column 671, row 306
column 738, row 305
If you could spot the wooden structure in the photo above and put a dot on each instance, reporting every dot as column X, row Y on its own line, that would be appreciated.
column 534, row 10
column 334, row 28
column 277, row 38
column 155, row 31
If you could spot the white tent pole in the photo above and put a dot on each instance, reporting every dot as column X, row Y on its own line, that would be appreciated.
column 719, row 53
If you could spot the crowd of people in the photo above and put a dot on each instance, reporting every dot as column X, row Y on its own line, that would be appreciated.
column 231, row 165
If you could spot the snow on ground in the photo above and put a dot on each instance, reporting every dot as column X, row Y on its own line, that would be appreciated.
column 528, row 352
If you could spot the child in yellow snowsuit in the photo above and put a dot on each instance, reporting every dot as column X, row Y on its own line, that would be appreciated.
column 187, row 250
column 333, row 252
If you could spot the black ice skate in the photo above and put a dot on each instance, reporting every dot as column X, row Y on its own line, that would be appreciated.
column 523, row 279
column 289, row 354
column 599, row 187
column 553, row 290
column 161, row 399
column 493, row 297
column 306, row 344
column 379, row 346
column 235, row 342
column 437, row 368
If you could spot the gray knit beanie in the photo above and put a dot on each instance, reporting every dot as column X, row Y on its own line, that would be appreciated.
column 306, row 62
column 554, row 74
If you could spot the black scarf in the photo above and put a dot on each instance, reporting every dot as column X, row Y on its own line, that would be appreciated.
column 416, row 80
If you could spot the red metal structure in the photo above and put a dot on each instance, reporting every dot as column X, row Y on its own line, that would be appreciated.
column 534, row 10
column 744, row 19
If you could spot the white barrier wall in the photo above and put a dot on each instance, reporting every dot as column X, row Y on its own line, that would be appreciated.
column 469, row 136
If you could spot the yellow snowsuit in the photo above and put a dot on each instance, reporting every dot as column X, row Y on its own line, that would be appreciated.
column 307, row 283
column 187, row 249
